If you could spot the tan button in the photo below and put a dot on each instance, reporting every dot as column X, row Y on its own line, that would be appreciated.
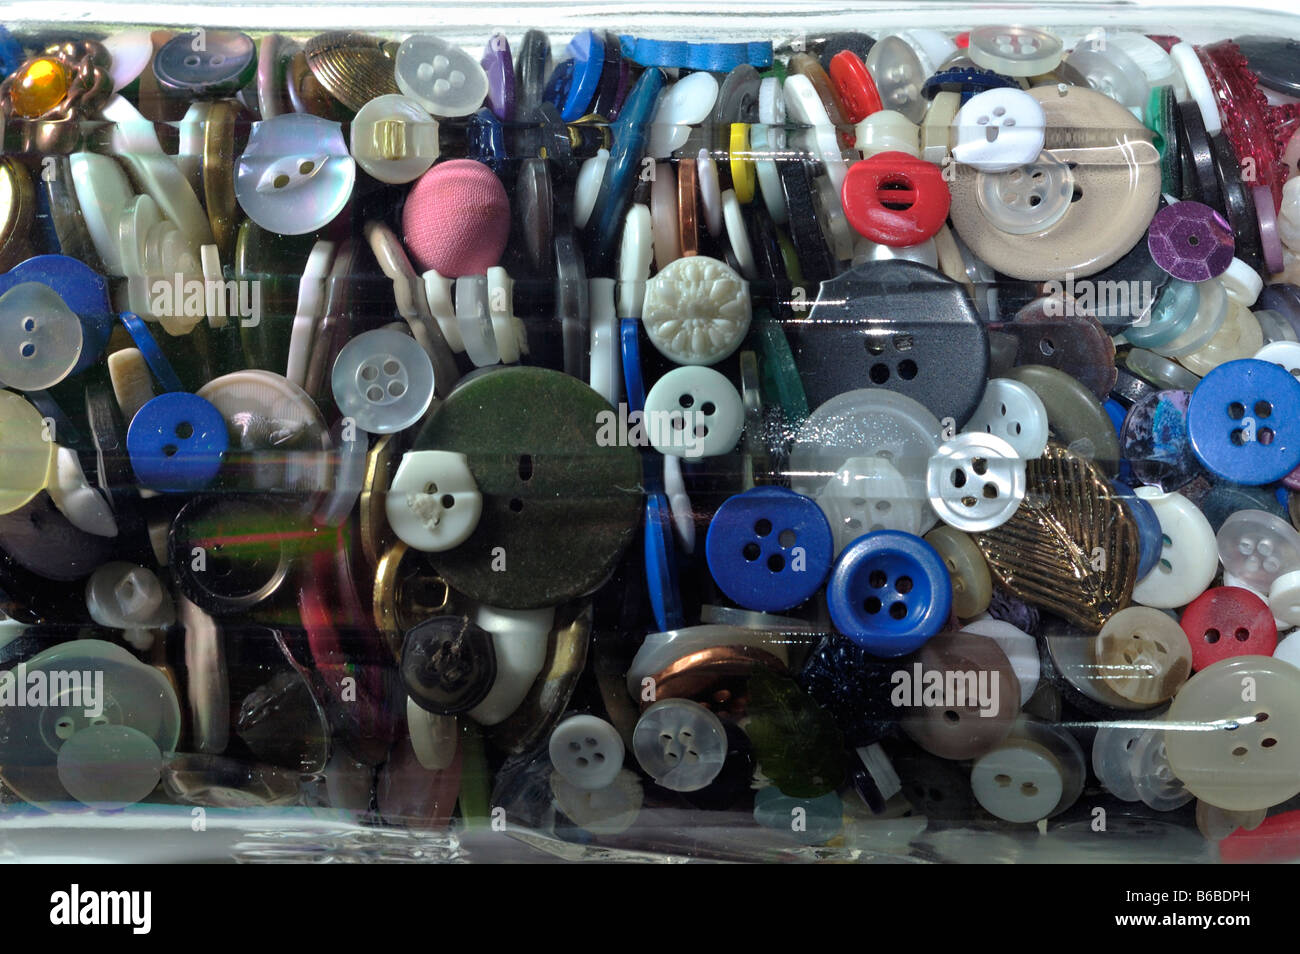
column 1092, row 142
column 972, row 586
column 941, row 715
column 1143, row 655
column 1233, row 733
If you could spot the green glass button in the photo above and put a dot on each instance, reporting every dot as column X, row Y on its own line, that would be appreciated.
column 781, row 384
column 268, row 270
column 561, row 487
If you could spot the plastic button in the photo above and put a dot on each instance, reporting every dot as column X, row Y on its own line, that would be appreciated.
column 1228, row 621
column 41, row 338
column 1143, row 655
column 696, row 310
column 383, row 380
column 1191, row 241
column 394, row 139
column 433, row 503
column 855, row 86
column 868, row 494
column 1020, row 648
column 864, row 195
column 177, row 442
column 972, row 586
column 587, row 751
column 769, row 549
column 222, row 65
column 441, row 77
column 889, row 593
column 1187, row 561
column 448, row 664
column 611, row 810
column 1244, row 422
column 1015, row 50
column 1013, row 412
column 1257, row 547
column 694, row 412
column 1111, row 748
column 999, row 130
column 295, row 175
column 687, row 102
column 899, row 75
column 976, row 482
column 680, row 744
column 1154, row 779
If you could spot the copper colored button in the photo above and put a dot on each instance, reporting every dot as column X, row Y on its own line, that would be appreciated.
column 961, row 695
column 1104, row 154
column 687, row 216
column 717, row 677
column 1143, row 655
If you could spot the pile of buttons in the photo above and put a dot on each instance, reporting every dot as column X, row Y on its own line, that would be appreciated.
column 621, row 441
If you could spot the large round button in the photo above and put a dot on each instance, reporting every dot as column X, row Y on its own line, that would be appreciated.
column 1228, row 621
column 295, row 175
column 769, row 548
column 1232, row 733
column 696, row 310
column 1187, row 559
column 1015, row 50
column 109, row 767
column 1143, row 655
column 976, row 482
column 383, row 380
column 693, row 412
column 869, row 494
column 587, row 751
column 1155, row 443
column 177, row 442
column 220, row 63
column 26, row 452
column 448, row 664
column 1257, row 547
column 680, row 744
column 547, row 471
column 1244, row 422
column 889, row 593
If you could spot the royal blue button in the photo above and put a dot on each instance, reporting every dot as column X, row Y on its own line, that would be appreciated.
column 630, row 346
column 1244, row 422
column 588, row 52
column 769, row 548
column 661, row 564
column 153, row 355
column 177, row 442
column 889, row 592
column 82, row 289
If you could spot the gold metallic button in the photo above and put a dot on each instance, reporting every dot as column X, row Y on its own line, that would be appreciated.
column 17, row 209
column 352, row 67
column 219, row 176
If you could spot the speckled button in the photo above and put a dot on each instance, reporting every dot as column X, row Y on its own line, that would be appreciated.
column 1143, row 655
column 545, row 452
column 1191, row 241
column 1228, row 621
column 1154, row 441
column 1244, row 421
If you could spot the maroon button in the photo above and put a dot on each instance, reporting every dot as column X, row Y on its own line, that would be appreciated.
column 1191, row 241
column 1228, row 621
column 895, row 199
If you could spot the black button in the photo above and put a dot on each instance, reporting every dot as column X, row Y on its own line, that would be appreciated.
column 448, row 664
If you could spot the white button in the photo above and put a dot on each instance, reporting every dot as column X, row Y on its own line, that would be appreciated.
column 1283, row 353
column 605, row 374
column 587, row 751
column 886, row 130
column 520, row 639
column 1019, row 781
column 805, row 107
column 103, row 193
column 1149, row 56
column 680, row 744
column 434, row 738
column 686, row 103
column 1198, row 85
column 40, row 337
column 976, row 482
column 83, row 505
column 511, row 336
column 1284, row 598
column 1020, row 648
column 635, row 254
column 1234, row 730
column 1240, row 336
column 696, row 310
column 131, row 52
column 1188, row 559
column 1028, row 199
column 441, row 300
column 998, row 130
column 587, row 188
column 706, row 171
column 295, row 175
column 1112, row 749
column 311, row 310
column 394, row 139
column 1158, row 783
column 1257, row 547
column 679, row 503
column 1109, row 70
column 737, row 236
column 383, row 380
column 1014, row 412
column 771, row 102
column 153, row 249
column 1242, row 283
column 1015, row 50
column 693, row 412
column 936, row 129
column 1288, row 650
column 125, row 596
column 475, row 320
column 442, row 78
column 869, row 494
column 433, row 503
column 611, row 810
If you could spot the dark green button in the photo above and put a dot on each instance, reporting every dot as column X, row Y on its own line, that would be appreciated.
column 561, row 499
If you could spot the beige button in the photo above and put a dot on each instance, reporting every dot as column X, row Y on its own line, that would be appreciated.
column 1143, row 655
column 972, row 586
column 1233, row 733
column 1108, row 157
column 963, row 695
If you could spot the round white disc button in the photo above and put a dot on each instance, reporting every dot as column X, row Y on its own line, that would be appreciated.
column 1014, row 412
column 976, row 482
column 680, row 744
column 694, row 412
column 999, row 129
column 433, row 502
column 383, row 380
column 587, row 751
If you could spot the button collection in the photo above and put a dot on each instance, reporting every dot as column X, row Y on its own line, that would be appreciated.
column 592, row 427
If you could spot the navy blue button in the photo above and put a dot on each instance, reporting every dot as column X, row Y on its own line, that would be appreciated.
column 1244, row 422
column 1150, row 536
column 177, row 442
column 769, row 548
column 661, row 564
column 889, row 592
column 153, row 355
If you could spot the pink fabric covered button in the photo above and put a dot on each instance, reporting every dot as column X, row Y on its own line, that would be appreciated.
column 457, row 219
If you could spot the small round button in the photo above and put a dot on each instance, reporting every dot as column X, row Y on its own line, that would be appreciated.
column 1157, row 784
column 999, row 130
column 383, row 380
column 1143, row 655
column 1191, row 241
column 1111, row 750
column 1237, row 750
column 611, row 810
column 1228, row 621
column 40, row 337
column 1257, row 547
column 433, row 503
column 769, row 548
column 972, row 585
column 874, row 187
column 440, row 76
column 694, row 412
column 1284, row 598
column 975, row 482
column 1019, row 781
column 1012, row 411
column 394, row 139
column 1015, row 50
column 109, row 767
column 1188, row 560
column 207, row 63
column 696, row 310
column 889, row 593
column 456, row 219
column 1029, row 199
column 899, row 75
column 448, row 664
column 177, row 442
column 680, row 744
column 295, row 174
column 587, row 751
column 1244, row 422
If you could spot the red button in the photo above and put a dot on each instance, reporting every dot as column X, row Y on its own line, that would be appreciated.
column 1228, row 621
column 858, row 93
column 1278, row 839
column 962, row 40
column 899, row 180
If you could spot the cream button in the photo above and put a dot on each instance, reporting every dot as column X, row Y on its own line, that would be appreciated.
column 1143, row 655
column 433, row 502
column 1188, row 557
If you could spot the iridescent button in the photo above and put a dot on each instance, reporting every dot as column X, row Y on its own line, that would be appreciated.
column 383, row 380
column 1191, row 241
column 975, row 482
column 295, row 175
column 177, row 442
column 208, row 63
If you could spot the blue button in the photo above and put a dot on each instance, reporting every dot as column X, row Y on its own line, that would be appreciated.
column 810, row 821
column 1244, row 422
column 82, row 289
column 967, row 81
column 176, row 442
column 711, row 57
column 661, row 564
column 769, row 548
column 485, row 140
column 588, row 52
column 889, row 592
column 1171, row 315
column 153, row 355
column 1150, row 536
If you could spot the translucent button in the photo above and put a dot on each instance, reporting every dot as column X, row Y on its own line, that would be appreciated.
column 1156, row 781
column 1143, row 655
column 383, row 380
column 587, row 751
column 976, row 481
column 999, row 130
column 441, row 77
column 109, row 767
column 1256, row 547
column 1030, row 198
column 898, row 74
column 680, row 744
column 394, row 139
column 694, row 412
column 40, row 337
column 221, row 65
column 296, row 174
column 1015, row 50
column 868, row 494
column 1111, row 749
column 1110, row 70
